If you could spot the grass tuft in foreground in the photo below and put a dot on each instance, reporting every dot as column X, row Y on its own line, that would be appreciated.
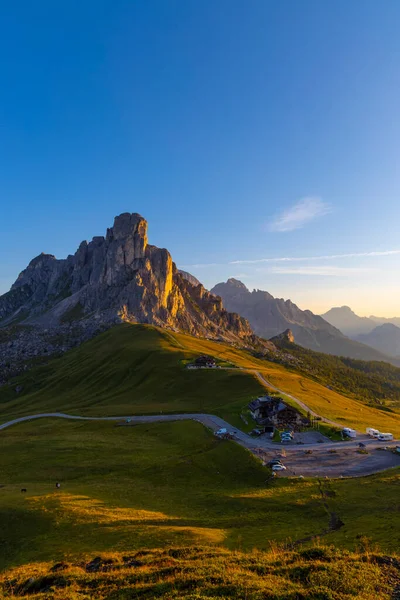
column 317, row 573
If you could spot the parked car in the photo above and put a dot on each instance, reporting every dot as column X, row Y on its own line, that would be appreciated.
column 278, row 468
column 274, row 461
column 221, row 431
column 256, row 432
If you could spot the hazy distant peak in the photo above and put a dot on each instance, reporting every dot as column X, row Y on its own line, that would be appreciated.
column 344, row 310
column 236, row 283
column 387, row 327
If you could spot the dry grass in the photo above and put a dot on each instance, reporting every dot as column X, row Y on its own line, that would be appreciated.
column 318, row 573
column 320, row 399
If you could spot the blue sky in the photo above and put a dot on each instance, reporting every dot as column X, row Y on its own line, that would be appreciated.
column 240, row 130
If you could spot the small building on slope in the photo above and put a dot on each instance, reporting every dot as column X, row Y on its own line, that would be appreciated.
column 272, row 410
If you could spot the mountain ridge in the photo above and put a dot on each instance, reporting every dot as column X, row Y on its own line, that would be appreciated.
column 271, row 316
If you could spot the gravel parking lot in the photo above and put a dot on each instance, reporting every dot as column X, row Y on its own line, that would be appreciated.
column 337, row 463
column 310, row 437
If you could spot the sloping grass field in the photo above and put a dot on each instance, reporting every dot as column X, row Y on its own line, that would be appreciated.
column 139, row 369
column 128, row 370
column 168, row 484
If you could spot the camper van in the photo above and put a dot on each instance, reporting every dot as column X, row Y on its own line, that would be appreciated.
column 385, row 437
column 351, row 433
column 372, row 432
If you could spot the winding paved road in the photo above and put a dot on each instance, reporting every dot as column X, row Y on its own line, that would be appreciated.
column 322, row 461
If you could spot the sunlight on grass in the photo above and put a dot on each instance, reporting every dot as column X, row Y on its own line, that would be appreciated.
column 85, row 509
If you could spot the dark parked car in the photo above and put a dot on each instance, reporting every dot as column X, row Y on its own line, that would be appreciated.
column 256, row 432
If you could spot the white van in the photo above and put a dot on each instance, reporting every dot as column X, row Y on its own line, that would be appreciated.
column 351, row 433
column 372, row 432
column 385, row 437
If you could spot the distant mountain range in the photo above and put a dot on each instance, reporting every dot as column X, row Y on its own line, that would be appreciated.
column 385, row 338
column 351, row 324
column 271, row 316
column 381, row 333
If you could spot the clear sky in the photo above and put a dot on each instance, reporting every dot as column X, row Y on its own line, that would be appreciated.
column 241, row 129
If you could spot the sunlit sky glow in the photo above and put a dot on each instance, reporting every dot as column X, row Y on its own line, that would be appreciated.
column 260, row 140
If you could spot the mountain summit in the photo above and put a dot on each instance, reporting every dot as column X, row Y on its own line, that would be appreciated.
column 119, row 277
column 345, row 319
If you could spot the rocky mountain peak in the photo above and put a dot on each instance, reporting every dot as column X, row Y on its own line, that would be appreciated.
column 129, row 225
column 235, row 283
column 119, row 277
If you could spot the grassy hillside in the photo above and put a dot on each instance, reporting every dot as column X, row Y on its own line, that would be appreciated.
column 129, row 370
column 139, row 369
column 378, row 383
column 160, row 485
column 339, row 407
column 204, row 572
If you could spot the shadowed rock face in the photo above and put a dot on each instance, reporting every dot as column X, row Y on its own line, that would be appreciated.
column 118, row 277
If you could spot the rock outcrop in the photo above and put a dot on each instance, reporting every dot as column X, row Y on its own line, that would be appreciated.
column 119, row 277
column 287, row 337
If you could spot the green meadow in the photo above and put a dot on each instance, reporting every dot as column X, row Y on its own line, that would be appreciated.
column 168, row 484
